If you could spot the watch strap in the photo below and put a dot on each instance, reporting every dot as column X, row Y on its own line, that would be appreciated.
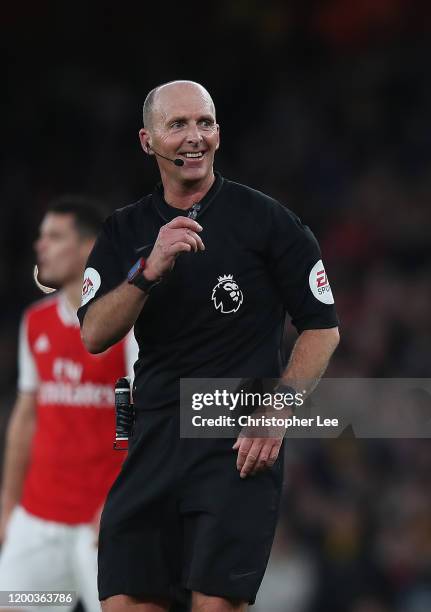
column 136, row 277
column 143, row 283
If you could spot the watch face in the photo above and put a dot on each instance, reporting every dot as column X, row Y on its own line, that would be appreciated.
column 136, row 269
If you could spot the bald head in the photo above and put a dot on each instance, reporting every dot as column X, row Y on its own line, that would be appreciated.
column 162, row 94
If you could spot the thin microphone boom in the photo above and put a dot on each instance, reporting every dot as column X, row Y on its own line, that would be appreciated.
column 177, row 161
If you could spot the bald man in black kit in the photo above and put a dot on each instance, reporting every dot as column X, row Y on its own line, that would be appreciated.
column 205, row 271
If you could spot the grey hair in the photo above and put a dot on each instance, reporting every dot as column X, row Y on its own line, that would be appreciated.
column 147, row 110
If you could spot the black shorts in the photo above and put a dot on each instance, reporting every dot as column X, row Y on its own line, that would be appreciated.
column 179, row 517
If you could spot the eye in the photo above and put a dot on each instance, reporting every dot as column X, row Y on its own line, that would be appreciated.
column 177, row 124
column 207, row 123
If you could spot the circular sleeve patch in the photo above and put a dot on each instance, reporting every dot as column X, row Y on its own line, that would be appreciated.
column 319, row 284
column 90, row 285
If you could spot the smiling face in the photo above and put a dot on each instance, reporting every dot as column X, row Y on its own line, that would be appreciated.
column 182, row 125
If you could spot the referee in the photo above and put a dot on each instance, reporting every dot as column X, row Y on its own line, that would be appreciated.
column 205, row 270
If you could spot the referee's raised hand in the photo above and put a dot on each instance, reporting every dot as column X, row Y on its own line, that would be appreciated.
column 178, row 236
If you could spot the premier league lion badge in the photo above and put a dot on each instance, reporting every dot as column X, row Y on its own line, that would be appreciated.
column 226, row 295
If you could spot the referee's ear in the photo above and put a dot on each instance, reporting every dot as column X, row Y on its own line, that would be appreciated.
column 144, row 138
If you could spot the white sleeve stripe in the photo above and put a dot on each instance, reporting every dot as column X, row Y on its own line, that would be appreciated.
column 28, row 379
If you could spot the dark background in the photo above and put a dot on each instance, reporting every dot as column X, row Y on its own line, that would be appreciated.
column 322, row 104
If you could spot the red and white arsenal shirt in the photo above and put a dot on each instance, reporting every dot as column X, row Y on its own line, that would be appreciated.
column 72, row 463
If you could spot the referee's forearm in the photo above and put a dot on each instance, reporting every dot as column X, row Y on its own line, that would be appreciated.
column 111, row 317
column 310, row 357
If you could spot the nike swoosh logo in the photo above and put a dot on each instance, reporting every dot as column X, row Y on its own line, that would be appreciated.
column 142, row 248
column 234, row 576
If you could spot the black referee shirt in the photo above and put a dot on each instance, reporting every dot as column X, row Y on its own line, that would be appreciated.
column 220, row 312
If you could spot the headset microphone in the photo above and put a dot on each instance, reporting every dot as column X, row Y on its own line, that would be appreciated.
column 177, row 161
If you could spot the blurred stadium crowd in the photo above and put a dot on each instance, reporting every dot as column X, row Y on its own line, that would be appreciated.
column 324, row 105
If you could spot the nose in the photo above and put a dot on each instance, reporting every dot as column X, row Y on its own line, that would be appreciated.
column 193, row 135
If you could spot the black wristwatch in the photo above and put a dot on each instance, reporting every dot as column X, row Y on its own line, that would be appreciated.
column 136, row 277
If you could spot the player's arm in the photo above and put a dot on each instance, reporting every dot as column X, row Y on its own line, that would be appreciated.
column 19, row 438
column 109, row 318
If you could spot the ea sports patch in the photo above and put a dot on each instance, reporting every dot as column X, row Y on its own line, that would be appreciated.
column 90, row 285
column 319, row 283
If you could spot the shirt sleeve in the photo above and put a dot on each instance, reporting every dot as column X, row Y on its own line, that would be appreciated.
column 28, row 379
column 103, row 271
column 295, row 263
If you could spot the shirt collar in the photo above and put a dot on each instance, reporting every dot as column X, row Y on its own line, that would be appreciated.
column 66, row 313
column 168, row 212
